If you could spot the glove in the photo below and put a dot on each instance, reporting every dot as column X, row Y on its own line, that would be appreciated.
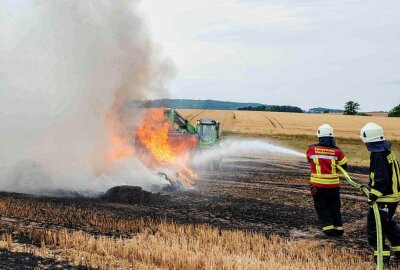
column 372, row 199
column 313, row 191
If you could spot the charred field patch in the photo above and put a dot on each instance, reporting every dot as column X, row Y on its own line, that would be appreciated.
column 266, row 195
column 263, row 194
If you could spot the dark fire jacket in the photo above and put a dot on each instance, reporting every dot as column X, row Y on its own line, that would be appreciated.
column 385, row 175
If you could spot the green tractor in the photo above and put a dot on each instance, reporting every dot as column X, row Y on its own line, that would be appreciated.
column 206, row 130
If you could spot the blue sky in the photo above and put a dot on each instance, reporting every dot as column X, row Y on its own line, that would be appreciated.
column 305, row 53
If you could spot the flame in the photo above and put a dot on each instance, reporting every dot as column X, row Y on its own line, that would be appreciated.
column 120, row 147
column 160, row 146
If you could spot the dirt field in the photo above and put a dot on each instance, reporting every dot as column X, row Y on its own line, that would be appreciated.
column 261, row 194
column 272, row 123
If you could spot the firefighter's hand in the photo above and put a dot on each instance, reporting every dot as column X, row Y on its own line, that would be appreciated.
column 372, row 199
column 313, row 191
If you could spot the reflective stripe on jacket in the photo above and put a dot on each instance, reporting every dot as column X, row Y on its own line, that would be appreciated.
column 385, row 176
column 323, row 160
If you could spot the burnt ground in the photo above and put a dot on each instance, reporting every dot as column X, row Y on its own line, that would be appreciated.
column 27, row 261
column 269, row 195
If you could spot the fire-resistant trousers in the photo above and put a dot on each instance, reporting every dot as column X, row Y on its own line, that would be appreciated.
column 390, row 229
column 327, row 204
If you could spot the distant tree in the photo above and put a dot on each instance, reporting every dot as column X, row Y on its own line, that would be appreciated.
column 363, row 114
column 351, row 108
column 273, row 108
column 326, row 111
column 395, row 112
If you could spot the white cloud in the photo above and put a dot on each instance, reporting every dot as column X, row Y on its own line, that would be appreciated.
column 297, row 52
column 181, row 26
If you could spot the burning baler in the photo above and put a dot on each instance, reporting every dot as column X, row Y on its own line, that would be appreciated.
column 207, row 130
column 165, row 134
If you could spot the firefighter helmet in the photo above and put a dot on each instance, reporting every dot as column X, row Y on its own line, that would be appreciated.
column 372, row 132
column 325, row 131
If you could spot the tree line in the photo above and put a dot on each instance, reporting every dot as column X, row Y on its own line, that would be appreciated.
column 353, row 108
column 350, row 108
column 273, row 108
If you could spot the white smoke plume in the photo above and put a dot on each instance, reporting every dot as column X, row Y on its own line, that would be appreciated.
column 67, row 70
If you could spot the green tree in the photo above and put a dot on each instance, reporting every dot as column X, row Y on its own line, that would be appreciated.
column 273, row 108
column 395, row 112
column 351, row 108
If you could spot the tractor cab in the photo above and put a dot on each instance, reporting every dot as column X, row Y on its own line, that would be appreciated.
column 208, row 131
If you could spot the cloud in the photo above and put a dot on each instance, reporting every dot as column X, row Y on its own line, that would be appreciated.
column 307, row 50
column 393, row 82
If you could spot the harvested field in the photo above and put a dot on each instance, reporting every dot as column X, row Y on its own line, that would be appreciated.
column 256, row 213
column 272, row 123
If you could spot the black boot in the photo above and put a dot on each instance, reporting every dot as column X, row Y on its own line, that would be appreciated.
column 396, row 256
column 334, row 233
column 339, row 231
column 330, row 233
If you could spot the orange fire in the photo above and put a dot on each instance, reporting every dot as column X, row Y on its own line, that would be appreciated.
column 120, row 147
column 159, row 145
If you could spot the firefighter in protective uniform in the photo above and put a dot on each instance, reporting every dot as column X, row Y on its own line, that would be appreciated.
column 324, row 180
column 384, row 187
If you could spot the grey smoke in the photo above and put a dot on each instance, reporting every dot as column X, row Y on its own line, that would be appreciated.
column 65, row 65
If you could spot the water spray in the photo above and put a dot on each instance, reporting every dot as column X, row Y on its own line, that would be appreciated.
column 243, row 147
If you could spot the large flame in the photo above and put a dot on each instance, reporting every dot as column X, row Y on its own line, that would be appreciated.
column 120, row 147
column 159, row 145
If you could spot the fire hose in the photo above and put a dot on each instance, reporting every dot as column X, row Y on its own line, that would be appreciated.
column 366, row 191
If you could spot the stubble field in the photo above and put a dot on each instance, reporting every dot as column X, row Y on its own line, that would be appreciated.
column 254, row 213
column 272, row 123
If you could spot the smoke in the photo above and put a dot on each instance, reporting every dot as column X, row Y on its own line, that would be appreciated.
column 242, row 147
column 68, row 70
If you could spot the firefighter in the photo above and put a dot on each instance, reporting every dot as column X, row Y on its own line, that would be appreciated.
column 384, row 190
column 324, row 181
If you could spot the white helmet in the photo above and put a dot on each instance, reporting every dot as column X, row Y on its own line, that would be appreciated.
column 325, row 131
column 372, row 132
